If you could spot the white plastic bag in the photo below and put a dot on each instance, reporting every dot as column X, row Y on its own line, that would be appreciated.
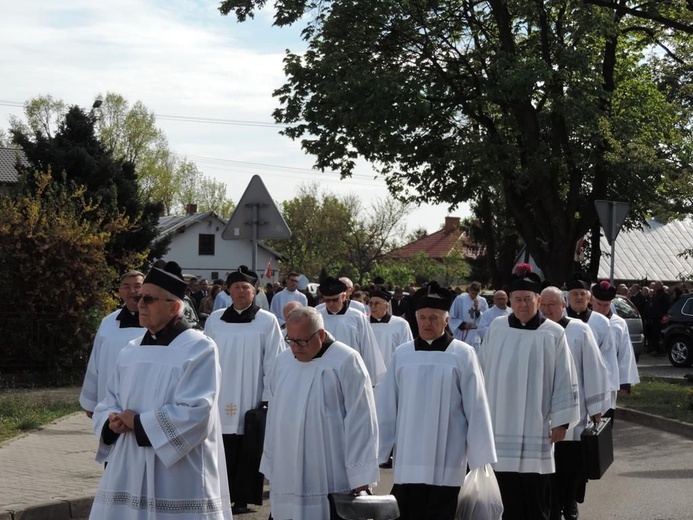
column 480, row 497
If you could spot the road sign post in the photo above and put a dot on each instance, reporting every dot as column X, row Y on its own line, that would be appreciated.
column 611, row 216
column 256, row 217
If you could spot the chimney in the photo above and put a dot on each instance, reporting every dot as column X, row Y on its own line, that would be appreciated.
column 451, row 224
column 191, row 209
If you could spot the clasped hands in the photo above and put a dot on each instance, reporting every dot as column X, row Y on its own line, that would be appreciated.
column 122, row 422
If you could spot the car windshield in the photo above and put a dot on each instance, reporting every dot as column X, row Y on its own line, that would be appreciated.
column 625, row 309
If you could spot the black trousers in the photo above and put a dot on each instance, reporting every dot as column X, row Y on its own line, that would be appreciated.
column 245, row 482
column 425, row 502
column 526, row 496
column 569, row 481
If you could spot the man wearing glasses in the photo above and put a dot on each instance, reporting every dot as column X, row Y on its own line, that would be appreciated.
column 249, row 341
column 322, row 431
column 116, row 330
column 390, row 331
column 350, row 326
column 159, row 422
column 289, row 294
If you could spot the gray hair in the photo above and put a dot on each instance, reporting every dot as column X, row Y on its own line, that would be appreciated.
column 307, row 313
column 555, row 291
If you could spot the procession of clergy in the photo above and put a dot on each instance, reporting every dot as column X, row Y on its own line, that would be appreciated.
column 346, row 389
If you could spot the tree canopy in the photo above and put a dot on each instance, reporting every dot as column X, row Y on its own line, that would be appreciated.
column 75, row 155
column 537, row 107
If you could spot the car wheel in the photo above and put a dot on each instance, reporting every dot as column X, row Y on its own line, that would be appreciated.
column 680, row 351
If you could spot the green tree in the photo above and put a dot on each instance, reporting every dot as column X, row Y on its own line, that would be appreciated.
column 75, row 155
column 55, row 237
column 319, row 223
column 373, row 234
column 552, row 105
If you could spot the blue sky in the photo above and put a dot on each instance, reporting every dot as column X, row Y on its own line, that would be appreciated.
column 180, row 58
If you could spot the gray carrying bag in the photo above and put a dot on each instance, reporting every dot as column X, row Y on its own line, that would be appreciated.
column 347, row 506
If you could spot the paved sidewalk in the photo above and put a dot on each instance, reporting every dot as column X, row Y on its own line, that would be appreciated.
column 51, row 474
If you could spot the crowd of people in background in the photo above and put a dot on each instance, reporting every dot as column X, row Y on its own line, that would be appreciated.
column 431, row 381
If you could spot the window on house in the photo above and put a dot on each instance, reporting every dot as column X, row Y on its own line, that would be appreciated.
column 206, row 244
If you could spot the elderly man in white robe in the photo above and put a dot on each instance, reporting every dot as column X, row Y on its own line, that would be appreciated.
column 159, row 423
column 532, row 390
column 115, row 332
column 579, row 298
column 432, row 409
column 390, row 331
column 322, row 430
column 500, row 308
column 350, row 326
column 603, row 294
column 593, row 390
column 465, row 314
column 249, row 341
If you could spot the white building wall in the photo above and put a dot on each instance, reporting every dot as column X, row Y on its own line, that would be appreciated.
column 228, row 254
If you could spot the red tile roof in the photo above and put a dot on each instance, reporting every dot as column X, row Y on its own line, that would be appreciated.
column 439, row 244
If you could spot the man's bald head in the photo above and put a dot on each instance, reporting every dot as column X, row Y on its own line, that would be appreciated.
column 289, row 307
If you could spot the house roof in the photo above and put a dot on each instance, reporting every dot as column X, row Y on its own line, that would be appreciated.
column 650, row 253
column 178, row 223
column 8, row 161
column 441, row 243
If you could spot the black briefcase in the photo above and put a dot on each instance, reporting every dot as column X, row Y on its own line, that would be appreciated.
column 347, row 506
column 597, row 448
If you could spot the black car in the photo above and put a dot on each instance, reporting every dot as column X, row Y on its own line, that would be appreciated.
column 677, row 335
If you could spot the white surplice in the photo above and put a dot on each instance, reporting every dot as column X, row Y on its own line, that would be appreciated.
column 280, row 299
column 182, row 474
column 487, row 317
column 322, row 432
column 352, row 329
column 627, row 367
column 463, row 311
column 432, row 409
column 593, row 379
column 110, row 340
column 531, row 384
column 601, row 328
column 247, row 352
column 391, row 335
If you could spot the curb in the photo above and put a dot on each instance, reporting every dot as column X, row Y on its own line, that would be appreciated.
column 59, row 510
column 655, row 421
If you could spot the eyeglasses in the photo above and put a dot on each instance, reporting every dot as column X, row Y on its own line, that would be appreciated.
column 148, row 300
column 300, row 342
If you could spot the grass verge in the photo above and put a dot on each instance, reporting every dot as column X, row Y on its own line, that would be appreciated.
column 670, row 400
column 23, row 411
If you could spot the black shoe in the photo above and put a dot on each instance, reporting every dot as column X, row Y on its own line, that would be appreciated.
column 240, row 510
column 571, row 513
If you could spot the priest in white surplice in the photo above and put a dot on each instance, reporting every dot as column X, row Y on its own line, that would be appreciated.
column 532, row 390
column 390, row 331
column 290, row 293
column 159, row 423
column 249, row 340
column 350, row 326
column 579, row 297
column 322, row 431
column 115, row 332
column 602, row 295
column 465, row 314
column 432, row 409
column 594, row 397
column 500, row 308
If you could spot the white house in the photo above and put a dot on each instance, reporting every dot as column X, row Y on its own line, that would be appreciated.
column 197, row 246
